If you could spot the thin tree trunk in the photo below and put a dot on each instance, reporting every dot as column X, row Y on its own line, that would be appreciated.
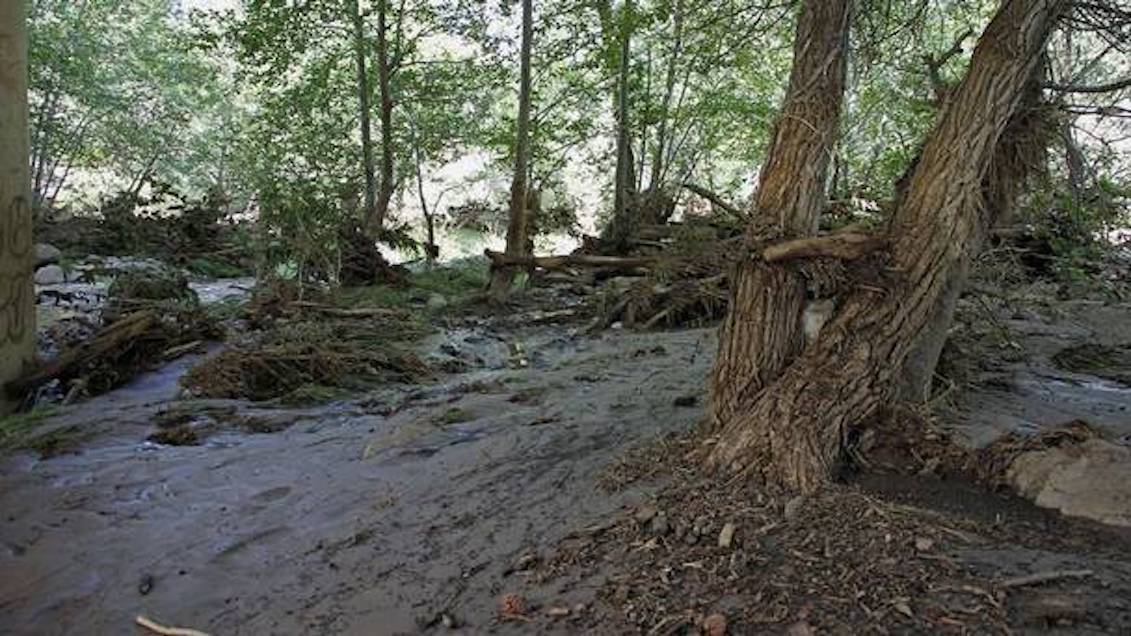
column 665, row 106
column 387, row 174
column 1074, row 161
column 17, row 294
column 763, row 329
column 503, row 277
column 363, row 112
column 791, row 433
column 620, row 226
column 431, row 250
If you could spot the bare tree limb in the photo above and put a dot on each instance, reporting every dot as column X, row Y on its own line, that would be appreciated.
column 714, row 199
column 1109, row 87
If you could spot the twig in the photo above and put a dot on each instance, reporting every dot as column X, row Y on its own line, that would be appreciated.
column 158, row 628
column 1044, row 577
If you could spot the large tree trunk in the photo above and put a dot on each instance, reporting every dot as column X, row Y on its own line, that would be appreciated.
column 17, row 294
column 388, row 177
column 363, row 108
column 1020, row 152
column 763, row 329
column 503, row 277
column 791, row 432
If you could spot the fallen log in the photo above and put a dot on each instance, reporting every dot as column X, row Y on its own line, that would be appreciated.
column 500, row 259
column 845, row 246
column 121, row 331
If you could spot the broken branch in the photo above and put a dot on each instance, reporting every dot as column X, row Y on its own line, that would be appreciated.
column 499, row 259
column 158, row 628
column 714, row 199
column 1044, row 577
column 845, row 246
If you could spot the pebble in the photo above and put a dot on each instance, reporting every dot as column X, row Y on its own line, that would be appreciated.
column 726, row 535
column 715, row 625
column 645, row 513
column 793, row 506
column 660, row 525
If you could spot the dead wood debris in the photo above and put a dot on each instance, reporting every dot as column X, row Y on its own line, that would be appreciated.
column 151, row 317
column 164, row 630
column 676, row 274
column 315, row 349
column 835, row 562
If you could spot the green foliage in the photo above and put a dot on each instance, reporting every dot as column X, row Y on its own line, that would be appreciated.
column 1073, row 225
column 457, row 284
column 122, row 88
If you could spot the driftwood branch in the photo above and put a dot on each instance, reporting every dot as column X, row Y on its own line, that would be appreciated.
column 164, row 630
column 123, row 330
column 499, row 259
column 1044, row 577
column 846, row 246
column 714, row 199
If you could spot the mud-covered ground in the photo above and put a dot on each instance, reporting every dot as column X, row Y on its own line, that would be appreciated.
column 418, row 508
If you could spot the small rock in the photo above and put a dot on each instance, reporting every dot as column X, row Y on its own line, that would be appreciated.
column 50, row 275
column 46, row 254
column 903, row 608
column 645, row 513
column 686, row 400
column 557, row 611
column 701, row 525
column 660, row 525
column 715, row 625
column 800, row 628
column 525, row 562
column 924, row 544
column 146, row 584
column 793, row 506
column 436, row 301
column 726, row 535
column 448, row 621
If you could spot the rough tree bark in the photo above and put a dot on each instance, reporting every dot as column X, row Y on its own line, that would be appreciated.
column 387, row 184
column 1020, row 151
column 363, row 112
column 763, row 330
column 791, row 433
column 503, row 277
column 17, row 294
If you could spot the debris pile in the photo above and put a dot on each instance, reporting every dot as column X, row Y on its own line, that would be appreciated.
column 150, row 317
column 704, row 556
column 312, row 345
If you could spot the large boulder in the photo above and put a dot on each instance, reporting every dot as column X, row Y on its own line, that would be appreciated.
column 46, row 254
column 1091, row 479
column 50, row 275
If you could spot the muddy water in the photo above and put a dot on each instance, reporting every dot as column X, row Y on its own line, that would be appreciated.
column 348, row 521
column 1034, row 392
column 377, row 514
